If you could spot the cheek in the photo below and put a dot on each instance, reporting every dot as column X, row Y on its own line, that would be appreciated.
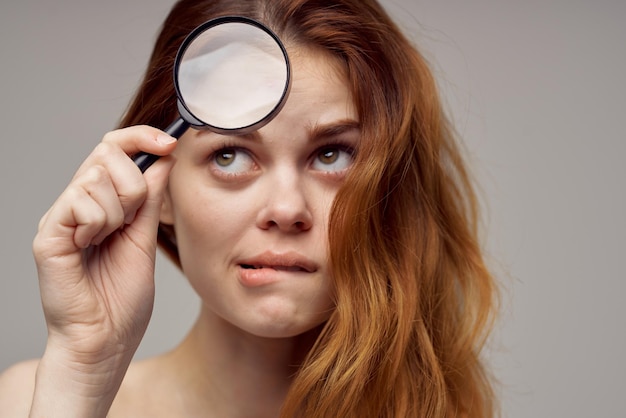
column 206, row 236
column 207, row 223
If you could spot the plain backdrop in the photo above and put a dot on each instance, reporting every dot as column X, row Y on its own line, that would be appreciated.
column 536, row 89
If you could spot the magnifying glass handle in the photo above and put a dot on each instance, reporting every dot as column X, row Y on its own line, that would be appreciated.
column 176, row 129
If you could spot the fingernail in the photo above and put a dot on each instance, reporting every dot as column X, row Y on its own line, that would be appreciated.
column 165, row 139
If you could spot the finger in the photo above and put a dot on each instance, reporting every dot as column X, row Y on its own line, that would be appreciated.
column 98, row 184
column 88, row 219
column 70, row 224
column 129, row 183
column 138, row 138
column 147, row 218
column 130, row 141
column 85, row 213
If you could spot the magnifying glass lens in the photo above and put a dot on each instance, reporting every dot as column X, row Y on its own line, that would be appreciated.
column 232, row 76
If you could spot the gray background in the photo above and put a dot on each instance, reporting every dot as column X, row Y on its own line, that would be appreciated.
column 537, row 91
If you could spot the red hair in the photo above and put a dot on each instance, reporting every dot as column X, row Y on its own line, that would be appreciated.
column 414, row 298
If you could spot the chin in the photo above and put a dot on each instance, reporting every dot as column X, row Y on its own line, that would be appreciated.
column 273, row 322
column 274, row 332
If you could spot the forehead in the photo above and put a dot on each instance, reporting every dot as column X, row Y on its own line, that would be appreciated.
column 319, row 87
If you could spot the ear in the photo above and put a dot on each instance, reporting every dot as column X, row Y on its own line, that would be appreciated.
column 167, row 211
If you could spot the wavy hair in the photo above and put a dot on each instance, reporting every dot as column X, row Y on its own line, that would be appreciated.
column 414, row 298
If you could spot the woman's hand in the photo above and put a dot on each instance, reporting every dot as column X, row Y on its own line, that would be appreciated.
column 95, row 254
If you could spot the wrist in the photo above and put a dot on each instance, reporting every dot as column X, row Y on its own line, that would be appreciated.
column 69, row 385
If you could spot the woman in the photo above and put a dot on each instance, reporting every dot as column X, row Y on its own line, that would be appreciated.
column 334, row 250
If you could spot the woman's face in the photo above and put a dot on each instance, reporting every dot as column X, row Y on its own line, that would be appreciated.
column 251, row 212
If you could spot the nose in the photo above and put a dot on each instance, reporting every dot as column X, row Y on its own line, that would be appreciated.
column 285, row 205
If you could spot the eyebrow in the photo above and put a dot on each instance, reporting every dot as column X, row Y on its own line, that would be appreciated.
column 333, row 129
column 318, row 132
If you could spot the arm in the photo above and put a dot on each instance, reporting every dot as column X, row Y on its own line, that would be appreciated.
column 95, row 251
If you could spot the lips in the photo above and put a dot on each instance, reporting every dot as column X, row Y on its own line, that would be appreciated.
column 284, row 268
column 289, row 261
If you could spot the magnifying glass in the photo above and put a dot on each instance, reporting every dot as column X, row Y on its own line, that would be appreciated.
column 231, row 75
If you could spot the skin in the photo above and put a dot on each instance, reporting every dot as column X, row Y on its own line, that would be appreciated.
column 259, row 200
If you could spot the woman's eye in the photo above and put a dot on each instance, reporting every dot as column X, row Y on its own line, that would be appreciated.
column 333, row 158
column 232, row 161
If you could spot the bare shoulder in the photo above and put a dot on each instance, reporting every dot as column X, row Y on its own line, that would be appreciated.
column 143, row 391
column 17, row 384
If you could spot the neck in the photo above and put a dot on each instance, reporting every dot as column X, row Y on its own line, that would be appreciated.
column 234, row 373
